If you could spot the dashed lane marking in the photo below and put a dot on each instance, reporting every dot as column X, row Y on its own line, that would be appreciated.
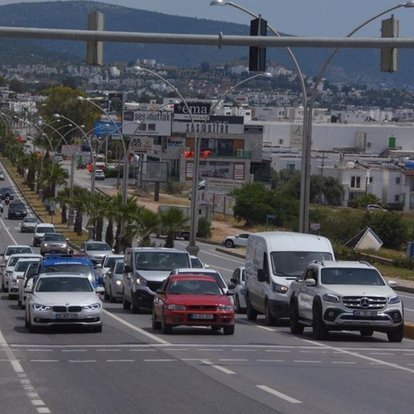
column 279, row 394
column 218, row 367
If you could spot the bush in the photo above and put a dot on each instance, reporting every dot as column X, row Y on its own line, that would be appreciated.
column 173, row 187
column 204, row 228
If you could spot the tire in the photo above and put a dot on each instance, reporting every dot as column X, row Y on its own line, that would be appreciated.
column 111, row 296
column 228, row 330
column 106, row 296
column 166, row 328
column 19, row 303
column 134, row 305
column 251, row 313
column 270, row 320
column 97, row 329
column 319, row 330
column 215, row 328
column 237, row 306
column 396, row 334
column 296, row 328
column 155, row 324
column 126, row 304
column 229, row 244
column 26, row 322
column 366, row 332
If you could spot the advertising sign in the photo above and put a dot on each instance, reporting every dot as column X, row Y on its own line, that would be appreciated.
column 154, row 123
column 199, row 111
column 141, row 144
column 216, row 124
column 105, row 128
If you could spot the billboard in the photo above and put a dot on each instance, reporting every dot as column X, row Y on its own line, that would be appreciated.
column 153, row 123
column 105, row 128
column 216, row 124
column 199, row 110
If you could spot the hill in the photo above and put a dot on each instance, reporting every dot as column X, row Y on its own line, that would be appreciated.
column 349, row 65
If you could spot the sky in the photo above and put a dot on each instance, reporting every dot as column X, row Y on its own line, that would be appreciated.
column 325, row 18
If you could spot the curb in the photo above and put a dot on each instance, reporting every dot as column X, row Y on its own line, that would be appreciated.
column 409, row 330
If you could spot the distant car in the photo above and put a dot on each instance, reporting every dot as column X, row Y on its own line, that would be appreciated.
column 236, row 241
column 197, row 263
column 375, row 207
column 28, row 224
column 99, row 175
column 113, row 281
column 6, row 192
column 17, row 209
column 96, row 250
column 40, row 230
column 54, row 243
column 2, row 177
column 62, row 299
column 192, row 300
column 239, row 281
column 16, row 280
column 108, row 262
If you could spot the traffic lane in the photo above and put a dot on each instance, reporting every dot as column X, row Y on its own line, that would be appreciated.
column 408, row 301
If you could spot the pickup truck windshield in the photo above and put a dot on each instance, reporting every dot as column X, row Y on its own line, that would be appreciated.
column 161, row 260
column 349, row 276
column 292, row 264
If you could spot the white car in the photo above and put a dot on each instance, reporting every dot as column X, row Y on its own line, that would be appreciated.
column 11, row 249
column 16, row 280
column 28, row 275
column 108, row 262
column 197, row 263
column 40, row 230
column 99, row 175
column 62, row 299
column 10, row 285
column 28, row 224
column 239, row 280
column 236, row 241
column 113, row 281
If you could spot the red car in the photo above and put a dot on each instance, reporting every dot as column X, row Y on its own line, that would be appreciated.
column 192, row 300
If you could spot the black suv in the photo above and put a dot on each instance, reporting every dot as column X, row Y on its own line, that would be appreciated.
column 17, row 209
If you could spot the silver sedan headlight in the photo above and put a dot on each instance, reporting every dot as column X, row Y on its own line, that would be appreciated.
column 41, row 308
column 93, row 307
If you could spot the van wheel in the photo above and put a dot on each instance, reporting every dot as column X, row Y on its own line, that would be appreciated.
column 106, row 296
column 296, row 328
column 134, row 305
column 228, row 330
column 396, row 334
column 251, row 313
column 270, row 320
column 319, row 330
column 111, row 296
column 126, row 304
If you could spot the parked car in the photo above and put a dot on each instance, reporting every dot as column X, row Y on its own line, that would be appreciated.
column 236, row 241
column 375, row 207
column 28, row 224
column 40, row 230
column 54, row 243
column 17, row 209
column 192, row 300
column 113, row 281
column 59, row 299
column 239, row 281
column 99, row 175
column 96, row 250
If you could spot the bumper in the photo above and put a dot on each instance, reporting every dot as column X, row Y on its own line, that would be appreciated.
column 52, row 319
column 144, row 297
column 195, row 318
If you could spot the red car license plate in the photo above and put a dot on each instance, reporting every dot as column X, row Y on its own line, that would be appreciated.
column 66, row 316
column 202, row 316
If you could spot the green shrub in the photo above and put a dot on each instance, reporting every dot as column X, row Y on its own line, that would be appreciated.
column 204, row 228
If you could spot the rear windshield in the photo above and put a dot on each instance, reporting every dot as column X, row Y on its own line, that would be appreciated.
column 64, row 284
column 161, row 260
column 109, row 261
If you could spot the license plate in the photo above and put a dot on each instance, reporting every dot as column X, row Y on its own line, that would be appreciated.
column 365, row 313
column 66, row 316
column 202, row 316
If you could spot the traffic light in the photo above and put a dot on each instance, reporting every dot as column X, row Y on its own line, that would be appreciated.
column 389, row 55
column 257, row 55
column 94, row 49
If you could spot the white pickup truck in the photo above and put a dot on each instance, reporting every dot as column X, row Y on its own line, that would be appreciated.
column 344, row 295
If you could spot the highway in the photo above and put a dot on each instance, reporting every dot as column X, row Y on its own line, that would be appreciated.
column 129, row 368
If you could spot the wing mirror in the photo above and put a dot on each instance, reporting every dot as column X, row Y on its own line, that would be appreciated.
column 392, row 284
column 99, row 290
column 310, row 282
column 127, row 269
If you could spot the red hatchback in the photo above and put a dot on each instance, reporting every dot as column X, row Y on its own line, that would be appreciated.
column 192, row 300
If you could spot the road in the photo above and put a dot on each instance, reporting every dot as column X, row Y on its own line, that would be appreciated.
column 129, row 368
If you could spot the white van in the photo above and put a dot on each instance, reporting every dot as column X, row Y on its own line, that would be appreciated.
column 273, row 260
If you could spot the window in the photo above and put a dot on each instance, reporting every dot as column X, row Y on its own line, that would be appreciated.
column 397, row 180
column 290, row 167
column 280, row 141
column 355, row 182
column 397, row 198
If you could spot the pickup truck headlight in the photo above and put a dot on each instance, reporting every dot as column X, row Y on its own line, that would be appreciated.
column 140, row 281
column 279, row 288
column 172, row 306
column 38, row 307
column 393, row 300
column 329, row 297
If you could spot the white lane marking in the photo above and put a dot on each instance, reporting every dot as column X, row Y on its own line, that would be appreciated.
column 44, row 360
column 277, row 350
column 40, row 350
column 120, row 360
column 343, row 362
column 270, row 360
column 233, row 359
column 38, row 402
column 218, row 367
column 209, row 349
column 175, row 349
column 108, row 350
column 33, row 395
column 160, row 360
column 301, row 361
column 82, row 361
column 358, row 355
column 265, row 328
column 278, row 394
column 244, row 350
column 7, row 231
column 73, row 350
column 142, row 350
column 43, row 410
column 191, row 359
column 408, row 310
column 136, row 329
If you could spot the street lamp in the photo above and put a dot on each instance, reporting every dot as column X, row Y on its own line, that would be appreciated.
column 306, row 139
column 192, row 248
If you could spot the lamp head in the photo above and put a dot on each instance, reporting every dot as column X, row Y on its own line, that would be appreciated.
column 408, row 4
column 56, row 116
column 217, row 3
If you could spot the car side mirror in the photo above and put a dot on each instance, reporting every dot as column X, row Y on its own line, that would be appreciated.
column 392, row 284
column 310, row 282
column 229, row 293
column 231, row 286
column 99, row 290
column 127, row 269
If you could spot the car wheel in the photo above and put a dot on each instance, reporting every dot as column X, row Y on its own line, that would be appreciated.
column 215, row 328
column 111, row 296
column 19, row 303
column 396, row 334
column 366, row 332
column 251, row 313
column 166, row 328
column 229, row 243
column 296, row 328
column 319, row 330
column 97, row 328
column 134, row 305
column 126, row 304
column 26, row 322
column 237, row 307
column 106, row 296
column 228, row 330
column 155, row 324
column 270, row 320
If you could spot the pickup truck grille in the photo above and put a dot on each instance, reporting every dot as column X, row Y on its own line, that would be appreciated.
column 364, row 302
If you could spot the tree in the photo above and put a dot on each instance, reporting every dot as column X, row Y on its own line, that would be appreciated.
column 52, row 175
column 172, row 220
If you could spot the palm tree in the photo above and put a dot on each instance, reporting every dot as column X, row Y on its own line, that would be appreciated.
column 52, row 175
column 172, row 220
column 146, row 223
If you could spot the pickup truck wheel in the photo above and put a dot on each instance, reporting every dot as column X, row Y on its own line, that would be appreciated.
column 229, row 243
column 396, row 334
column 106, row 296
column 237, row 306
column 155, row 324
column 270, row 320
column 126, row 304
column 296, row 327
column 134, row 305
column 251, row 313
column 367, row 332
column 166, row 328
column 319, row 330
column 111, row 296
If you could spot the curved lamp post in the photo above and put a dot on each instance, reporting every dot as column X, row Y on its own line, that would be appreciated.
column 306, row 139
column 192, row 248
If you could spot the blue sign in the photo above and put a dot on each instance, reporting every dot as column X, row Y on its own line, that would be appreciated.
column 104, row 128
